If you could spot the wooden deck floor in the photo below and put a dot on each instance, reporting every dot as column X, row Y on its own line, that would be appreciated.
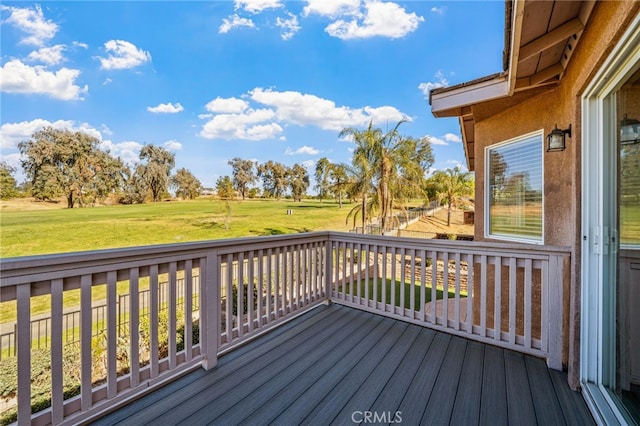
column 334, row 363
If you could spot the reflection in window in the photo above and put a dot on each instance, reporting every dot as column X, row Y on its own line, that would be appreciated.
column 515, row 183
column 628, row 108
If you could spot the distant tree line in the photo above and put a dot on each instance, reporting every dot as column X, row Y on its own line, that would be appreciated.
column 277, row 180
column 387, row 172
column 61, row 163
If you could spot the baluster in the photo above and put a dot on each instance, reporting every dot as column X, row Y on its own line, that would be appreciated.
column 112, row 334
column 154, row 306
column 188, row 313
column 57, row 378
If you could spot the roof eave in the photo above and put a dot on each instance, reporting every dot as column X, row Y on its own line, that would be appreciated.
column 445, row 101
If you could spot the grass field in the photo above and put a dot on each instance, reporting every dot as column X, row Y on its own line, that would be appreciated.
column 56, row 230
column 407, row 288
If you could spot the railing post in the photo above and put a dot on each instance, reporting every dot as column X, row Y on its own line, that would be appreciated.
column 328, row 270
column 23, row 344
column 555, row 288
column 210, row 309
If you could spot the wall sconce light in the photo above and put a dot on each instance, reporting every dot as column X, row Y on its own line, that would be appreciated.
column 629, row 129
column 556, row 139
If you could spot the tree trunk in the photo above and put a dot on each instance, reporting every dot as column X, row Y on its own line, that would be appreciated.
column 364, row 211
column 449, row 214
column 70, row 200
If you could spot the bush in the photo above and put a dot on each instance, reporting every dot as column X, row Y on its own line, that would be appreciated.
column 41, row 364
column 40, row 380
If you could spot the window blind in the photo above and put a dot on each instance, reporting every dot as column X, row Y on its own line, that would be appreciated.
column 630, row 194
column 515, row 185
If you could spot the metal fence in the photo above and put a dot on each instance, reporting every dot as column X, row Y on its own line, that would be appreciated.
column 398, row 221
column 41, row 327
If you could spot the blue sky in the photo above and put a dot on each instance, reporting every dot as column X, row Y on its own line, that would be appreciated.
column 262, row 80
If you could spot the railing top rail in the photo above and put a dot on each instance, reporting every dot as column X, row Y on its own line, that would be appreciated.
column 463, row 246
column 28, row 265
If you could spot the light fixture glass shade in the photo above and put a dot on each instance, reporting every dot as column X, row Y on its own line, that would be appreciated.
column 555, row 142
column 556, row 139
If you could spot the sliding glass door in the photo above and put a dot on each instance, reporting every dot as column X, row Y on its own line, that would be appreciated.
column 610, row 339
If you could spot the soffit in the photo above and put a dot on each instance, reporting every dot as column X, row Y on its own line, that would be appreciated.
column 540, row 38
column 549, row 34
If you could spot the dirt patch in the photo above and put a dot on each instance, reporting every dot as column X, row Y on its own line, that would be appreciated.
column 438, row 223
column 26, row 204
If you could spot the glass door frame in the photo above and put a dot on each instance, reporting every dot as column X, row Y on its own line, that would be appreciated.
column 599, row 226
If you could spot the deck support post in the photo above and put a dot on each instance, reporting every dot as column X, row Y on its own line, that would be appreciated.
column 210, row 311
column 555, row 290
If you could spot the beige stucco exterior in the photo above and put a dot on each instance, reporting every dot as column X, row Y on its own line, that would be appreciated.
column 541, row 109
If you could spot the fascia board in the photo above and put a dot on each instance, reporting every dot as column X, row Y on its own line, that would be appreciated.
column 469, row 95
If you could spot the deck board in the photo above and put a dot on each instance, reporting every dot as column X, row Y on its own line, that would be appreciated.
column 519, row 402
column 493, row 403
column 338, row 390
column 417, row 396
column 274, row 397
column 545, row 401
column 388, row 401
column 442, row 399
column 334, row 361
column 466, row 409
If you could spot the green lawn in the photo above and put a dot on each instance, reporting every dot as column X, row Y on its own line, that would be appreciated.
column 66, row 230
column 407, row 287
column 30, row 232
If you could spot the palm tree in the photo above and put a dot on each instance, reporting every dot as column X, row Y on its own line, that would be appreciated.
column 453, row 184
column 361, row 186
column 386, row 158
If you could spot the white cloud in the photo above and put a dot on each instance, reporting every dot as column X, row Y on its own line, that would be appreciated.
column 39, row 30
column 123, row 55
column 127, row 151
column 167, row 108
column 452, row 164
column 308, row 164
column 107, row 81
column 227, row 105
column 235, row 21
column 436, row 141
column 331, row 9
column 304, row 109
column 385, row 115
column 289, row 26
column 440, row 81
column 451, row 137
column 256, row 6
column 172, row 145
column 250, row 125
column 16, row 77
column 79, row 44
column 385, row 19
column 13, row 133
column 234, row 118
column 14, row 161
column 438, row 10
column 106, row 130
column 48, row 55
column 303, row 150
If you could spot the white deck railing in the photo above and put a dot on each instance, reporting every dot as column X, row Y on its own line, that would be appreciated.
column 233, row 290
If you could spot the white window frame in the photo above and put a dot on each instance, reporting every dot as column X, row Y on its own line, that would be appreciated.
column 487, row 216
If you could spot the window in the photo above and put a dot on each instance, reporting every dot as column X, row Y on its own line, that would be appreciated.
column 514, row 186
column 628, row 113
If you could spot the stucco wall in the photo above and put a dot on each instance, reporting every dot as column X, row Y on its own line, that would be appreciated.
column 523, row 113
